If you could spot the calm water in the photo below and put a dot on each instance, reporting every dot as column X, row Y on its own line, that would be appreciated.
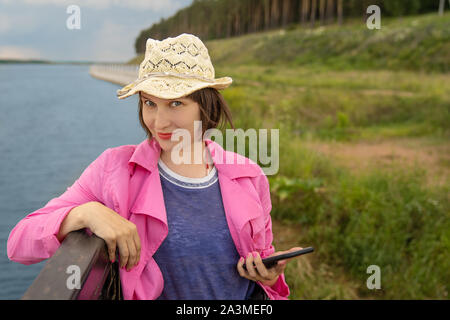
column 54, row 121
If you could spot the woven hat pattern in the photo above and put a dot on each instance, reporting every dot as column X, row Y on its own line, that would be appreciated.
column 174, row 67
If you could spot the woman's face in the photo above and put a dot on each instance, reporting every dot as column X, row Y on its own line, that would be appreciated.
column 164, row 116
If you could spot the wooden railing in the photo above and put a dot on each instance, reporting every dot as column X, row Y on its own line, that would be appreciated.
column 78, row 270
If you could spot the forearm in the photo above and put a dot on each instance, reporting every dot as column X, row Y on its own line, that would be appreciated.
column 36, row 238
column 75, row 220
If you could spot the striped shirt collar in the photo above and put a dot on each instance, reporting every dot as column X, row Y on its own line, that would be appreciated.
column 147, row 153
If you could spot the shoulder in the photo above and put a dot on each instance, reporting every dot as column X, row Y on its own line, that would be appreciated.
column 245, row 166
column 116, row 157
column 235, row 165
column 245, row 169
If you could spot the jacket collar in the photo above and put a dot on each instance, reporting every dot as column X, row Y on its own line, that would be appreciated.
column 231, row 164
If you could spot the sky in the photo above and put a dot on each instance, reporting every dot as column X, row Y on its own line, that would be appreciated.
column 43, row 29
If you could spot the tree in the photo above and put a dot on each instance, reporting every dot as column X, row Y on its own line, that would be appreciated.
column 304, row 10
column 401, row 7
column 330, row 11
column 340, row 11
column 322, row 11
column 286, row 12
column 266, row 6
column 275, row 13
column 313, row 12
column 441, row 6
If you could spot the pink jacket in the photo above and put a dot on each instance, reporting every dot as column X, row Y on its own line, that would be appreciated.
column 126, row 179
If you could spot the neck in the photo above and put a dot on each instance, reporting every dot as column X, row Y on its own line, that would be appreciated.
column 201, row 145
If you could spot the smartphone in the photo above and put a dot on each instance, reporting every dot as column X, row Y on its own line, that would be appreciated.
column 272, row 261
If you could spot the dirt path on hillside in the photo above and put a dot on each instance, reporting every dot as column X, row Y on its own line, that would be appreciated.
column 434, row 159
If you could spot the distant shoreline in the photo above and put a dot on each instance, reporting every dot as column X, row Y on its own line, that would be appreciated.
column 13, row 61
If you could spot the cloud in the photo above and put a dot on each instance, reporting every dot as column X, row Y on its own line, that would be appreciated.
column 108, row 28
column 114, row 42
column 20, row 53
column 18, row 23
column 5, row 23
column 155, row 5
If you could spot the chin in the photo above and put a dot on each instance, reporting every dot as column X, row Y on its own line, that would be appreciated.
column 166, row 145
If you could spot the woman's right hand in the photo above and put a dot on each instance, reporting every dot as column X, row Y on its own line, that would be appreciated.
column 115, row 230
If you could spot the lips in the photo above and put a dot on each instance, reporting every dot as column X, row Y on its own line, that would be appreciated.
column 164, row 135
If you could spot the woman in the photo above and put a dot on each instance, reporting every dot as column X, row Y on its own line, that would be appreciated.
column 183, row 230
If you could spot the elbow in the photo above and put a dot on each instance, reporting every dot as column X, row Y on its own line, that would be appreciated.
column 12, row 247
column 14, row 254
column 18, row 250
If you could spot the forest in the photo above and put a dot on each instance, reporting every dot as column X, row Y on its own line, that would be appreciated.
column 216, row 19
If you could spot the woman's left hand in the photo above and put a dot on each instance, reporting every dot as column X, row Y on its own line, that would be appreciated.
column 261, row 273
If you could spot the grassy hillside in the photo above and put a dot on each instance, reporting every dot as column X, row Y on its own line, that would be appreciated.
column 364, row 120
column 411, row 43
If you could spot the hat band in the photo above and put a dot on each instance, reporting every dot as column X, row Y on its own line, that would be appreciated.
column 164, row 74
column 179, row 75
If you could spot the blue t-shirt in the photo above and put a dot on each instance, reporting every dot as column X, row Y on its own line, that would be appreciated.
column 198, row 258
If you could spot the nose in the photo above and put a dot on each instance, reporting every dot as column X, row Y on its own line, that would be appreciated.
column 162, row 119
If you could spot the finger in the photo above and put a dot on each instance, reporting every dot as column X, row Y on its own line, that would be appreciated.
column 240, row 268
column 285, row 251
column 284, row 261
column 294, row 249
column 249, row 265
column 137, row 244
column 111, row 250
column 123, row 252
column 280, row 266
column 260, row 267
column 132, row 254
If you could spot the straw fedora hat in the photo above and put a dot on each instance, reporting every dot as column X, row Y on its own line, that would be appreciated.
column 173, row 68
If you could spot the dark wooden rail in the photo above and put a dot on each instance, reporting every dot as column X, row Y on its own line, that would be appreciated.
column 88, row 254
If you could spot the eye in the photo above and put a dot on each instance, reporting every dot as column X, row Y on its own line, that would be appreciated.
column 149, row 102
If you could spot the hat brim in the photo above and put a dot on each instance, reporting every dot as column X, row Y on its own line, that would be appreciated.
column 171, row 87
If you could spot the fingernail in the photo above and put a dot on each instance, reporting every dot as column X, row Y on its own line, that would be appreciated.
column 241, row 259
column 255, row 254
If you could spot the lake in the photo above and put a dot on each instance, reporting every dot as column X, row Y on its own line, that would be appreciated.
column 55, row 120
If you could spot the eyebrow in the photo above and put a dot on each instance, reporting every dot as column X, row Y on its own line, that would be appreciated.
column 170, row 100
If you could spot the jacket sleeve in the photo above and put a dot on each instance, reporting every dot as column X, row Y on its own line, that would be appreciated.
column 280, row 290
column 34, row 239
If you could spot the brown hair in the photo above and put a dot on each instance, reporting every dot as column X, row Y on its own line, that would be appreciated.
column 213, row 109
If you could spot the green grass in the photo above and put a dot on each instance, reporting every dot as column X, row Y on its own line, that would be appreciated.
column 345, row 105
column 384, row 218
